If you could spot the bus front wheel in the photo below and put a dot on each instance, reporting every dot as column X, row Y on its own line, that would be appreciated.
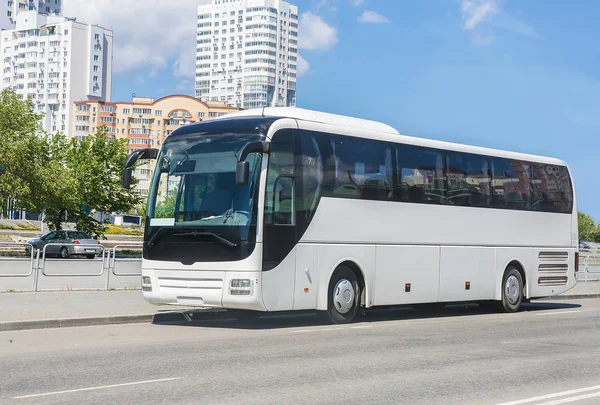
column 512, row 290
column 344, row 296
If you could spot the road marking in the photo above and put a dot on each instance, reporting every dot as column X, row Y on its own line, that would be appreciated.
column 97, row 388
column 556, row 313
column 330, row 329
column 555, row 395
column 572, row 399
column 315, row 330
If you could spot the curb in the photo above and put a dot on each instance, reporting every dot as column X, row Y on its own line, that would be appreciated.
column 71, row 322
column 156, row 318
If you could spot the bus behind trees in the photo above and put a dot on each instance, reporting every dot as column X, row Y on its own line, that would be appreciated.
column 282, row 209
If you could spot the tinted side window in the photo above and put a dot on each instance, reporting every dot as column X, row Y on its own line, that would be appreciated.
column 420, row 176
column 468, row 180
column 363, row 169
column 511, row 181
column 279, row 203
column 552, row 191
column 309, row 176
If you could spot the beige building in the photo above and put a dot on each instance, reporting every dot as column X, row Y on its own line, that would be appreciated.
column 145, row 122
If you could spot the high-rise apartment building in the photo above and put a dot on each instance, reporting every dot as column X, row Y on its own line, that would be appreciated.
column 247, row 52
column 12, row 8
column 55, row 61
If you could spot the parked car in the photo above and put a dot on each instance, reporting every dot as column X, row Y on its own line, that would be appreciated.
column 66, row 244
column 584, row 245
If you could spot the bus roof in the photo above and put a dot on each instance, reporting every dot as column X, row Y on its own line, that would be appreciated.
column 314, row 116
column 385, row 131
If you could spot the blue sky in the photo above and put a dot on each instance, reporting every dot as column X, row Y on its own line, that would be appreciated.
column 517, row 75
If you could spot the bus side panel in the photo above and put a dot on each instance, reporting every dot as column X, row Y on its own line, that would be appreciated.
column 548, row 271
column 307, row 276
column 278, row 285
column 330, row 256
column 526, row 257
column 401, row 265
column 467, row 273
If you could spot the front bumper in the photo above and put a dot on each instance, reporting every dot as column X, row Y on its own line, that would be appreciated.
column 200, row 288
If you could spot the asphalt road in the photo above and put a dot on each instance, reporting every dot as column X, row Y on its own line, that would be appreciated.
column 547, row 355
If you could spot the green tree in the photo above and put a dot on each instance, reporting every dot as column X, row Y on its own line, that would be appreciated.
column 587, row 227
column 56, row 183
column 20, row 144
column 79, row 177
column 166, row 207
column 96, row 164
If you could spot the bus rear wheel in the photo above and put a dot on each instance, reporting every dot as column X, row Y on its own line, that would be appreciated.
column 343, row 296
column 512, row 290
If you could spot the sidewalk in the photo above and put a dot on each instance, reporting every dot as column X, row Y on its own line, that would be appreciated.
column 38, row 310
column 29, row 310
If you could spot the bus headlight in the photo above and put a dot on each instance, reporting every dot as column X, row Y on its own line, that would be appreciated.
column 240, row 286
column 146, row 284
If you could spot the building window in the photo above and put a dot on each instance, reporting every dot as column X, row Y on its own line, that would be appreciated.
column 95, row 68
column 66, row 32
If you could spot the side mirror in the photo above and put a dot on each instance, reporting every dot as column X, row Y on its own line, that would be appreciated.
column 127, row 177
column 242, row 172
column 131, row 161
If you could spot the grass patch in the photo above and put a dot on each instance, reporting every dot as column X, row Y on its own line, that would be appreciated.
column 118, row 230
column 20, row 227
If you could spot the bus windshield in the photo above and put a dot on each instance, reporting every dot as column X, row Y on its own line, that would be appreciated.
column 194, row 197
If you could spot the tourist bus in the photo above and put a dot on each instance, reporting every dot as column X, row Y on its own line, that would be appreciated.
column 282, row 209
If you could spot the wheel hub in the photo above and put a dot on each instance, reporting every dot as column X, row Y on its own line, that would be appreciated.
column 512, row 290
column 343, row 296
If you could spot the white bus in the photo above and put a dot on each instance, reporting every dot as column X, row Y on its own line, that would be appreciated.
column 282, row 209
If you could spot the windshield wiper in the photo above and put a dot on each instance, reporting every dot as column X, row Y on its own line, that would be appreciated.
column 205, row 233
column 152, row 241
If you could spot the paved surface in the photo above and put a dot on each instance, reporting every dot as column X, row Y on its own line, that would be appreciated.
column 79, row 308
column 73, row 304
column 461, row 355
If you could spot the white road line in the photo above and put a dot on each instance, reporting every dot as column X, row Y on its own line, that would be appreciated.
column 572, row 399
column 556, row 313
column 555, row 395
column 96, row 388
column 361, row 327
column 315, row 330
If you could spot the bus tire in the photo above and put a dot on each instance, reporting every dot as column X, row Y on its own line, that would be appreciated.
column 512, row 290
column 343, row 296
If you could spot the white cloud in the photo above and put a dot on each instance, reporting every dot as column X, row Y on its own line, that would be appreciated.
column 303, row 66
column 315, row 34
column 147, row 34
column 483, row 15
column 357, row 3
column 327, row 4
column 185, row 86
column 477, row 11
column 371, row 17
